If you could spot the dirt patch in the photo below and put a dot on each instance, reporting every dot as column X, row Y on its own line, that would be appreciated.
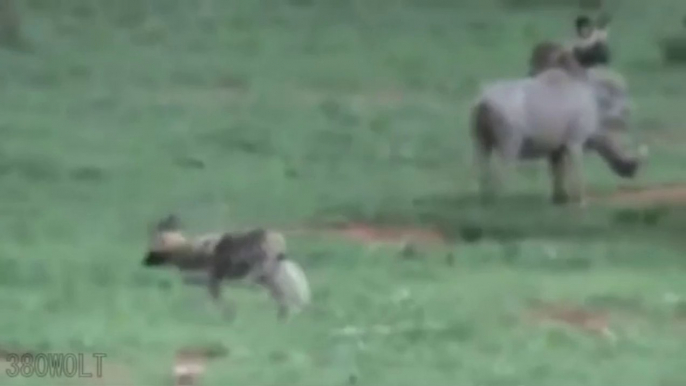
column 368, row 234
column 594, row 322
column 371, row 234
column 601, row 322
column 190, row 364
column 673, row 194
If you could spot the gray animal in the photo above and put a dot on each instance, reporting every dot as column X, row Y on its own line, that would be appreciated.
column 558, row 115
column 258, row 255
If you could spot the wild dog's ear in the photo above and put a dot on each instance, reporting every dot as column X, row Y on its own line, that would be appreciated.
column 169, row 223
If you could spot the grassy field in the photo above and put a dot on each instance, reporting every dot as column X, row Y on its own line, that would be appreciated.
column 292, row 113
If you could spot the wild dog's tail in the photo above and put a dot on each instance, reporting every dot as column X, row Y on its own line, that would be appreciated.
column 292, row 283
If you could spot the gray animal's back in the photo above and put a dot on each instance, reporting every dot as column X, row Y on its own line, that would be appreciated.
column 507, row 97
column 559, row 107
column 545, row 112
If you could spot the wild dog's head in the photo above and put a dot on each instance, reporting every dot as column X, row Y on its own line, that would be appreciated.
column 166, row 239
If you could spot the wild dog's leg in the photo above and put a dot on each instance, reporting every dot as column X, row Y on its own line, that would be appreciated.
column 277, row 294
column 215, row 289
column 268, row 280
column 215, row 286
column 577, row 191
column 195, row 279
column 266, row 275
column 557, row 162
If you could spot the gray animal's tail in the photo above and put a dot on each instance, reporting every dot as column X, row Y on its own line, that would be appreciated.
column 293, row 285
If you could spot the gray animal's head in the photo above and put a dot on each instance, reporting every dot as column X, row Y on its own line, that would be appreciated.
column 612, row 96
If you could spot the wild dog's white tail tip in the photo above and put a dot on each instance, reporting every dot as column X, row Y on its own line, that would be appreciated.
column 293, row 283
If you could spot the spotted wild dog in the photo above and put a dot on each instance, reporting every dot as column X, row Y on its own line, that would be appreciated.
column 257, row 255
column 589, row 49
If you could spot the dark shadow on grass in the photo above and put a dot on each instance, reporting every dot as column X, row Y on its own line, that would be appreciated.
column 525, row 216
column 34, row 169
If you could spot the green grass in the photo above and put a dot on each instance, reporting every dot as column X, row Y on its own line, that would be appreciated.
column 325, row 113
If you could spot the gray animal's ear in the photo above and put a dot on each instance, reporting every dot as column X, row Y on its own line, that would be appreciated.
column 169, row 223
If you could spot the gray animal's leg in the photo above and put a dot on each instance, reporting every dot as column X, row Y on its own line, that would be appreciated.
column 486, row 125
column 558, row 164
column 623, row 165
column 489, row 181
column 578, row 185
column 511, row 147
column 492, row 174
column 509, row 157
